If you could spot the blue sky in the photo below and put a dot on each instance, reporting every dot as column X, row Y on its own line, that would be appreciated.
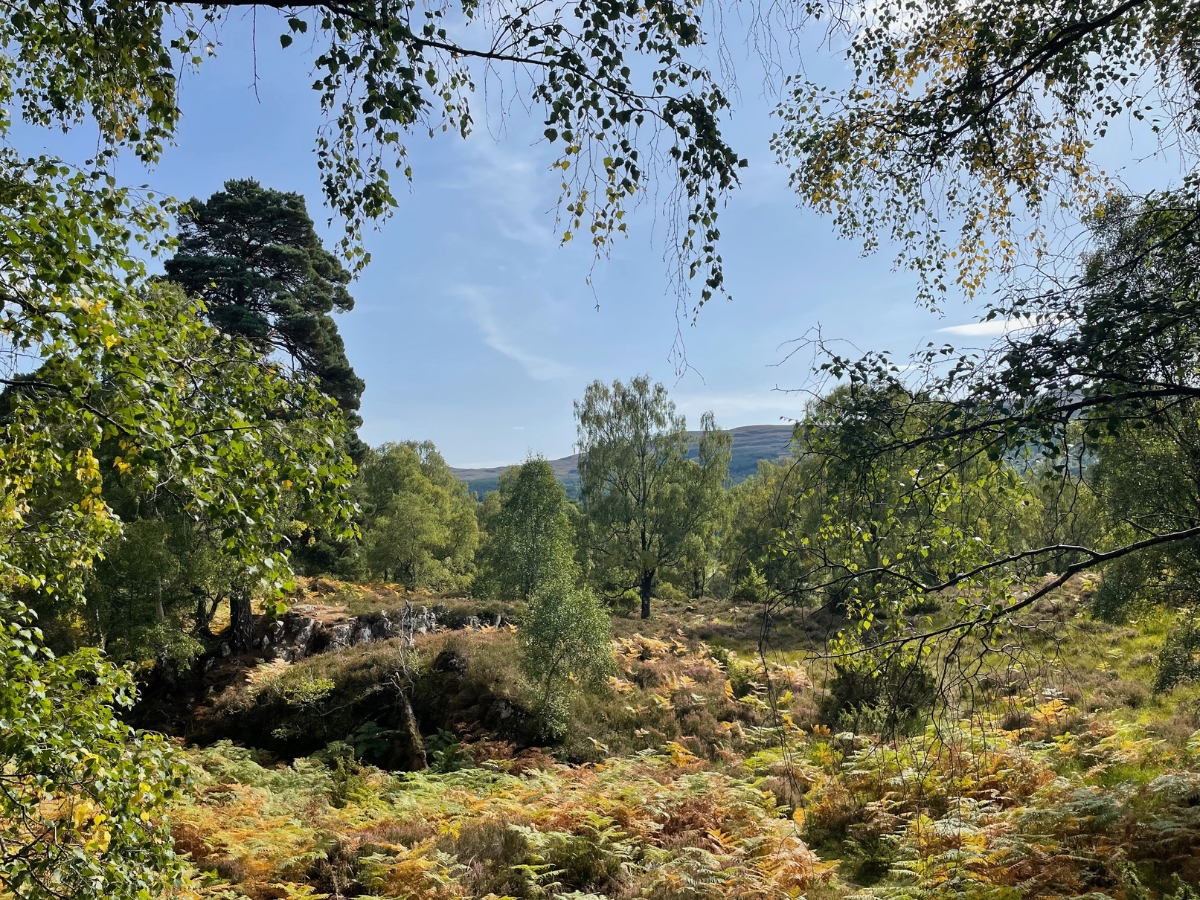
column 475, row 329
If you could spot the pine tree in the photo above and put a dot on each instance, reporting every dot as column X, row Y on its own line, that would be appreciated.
column 253, row 255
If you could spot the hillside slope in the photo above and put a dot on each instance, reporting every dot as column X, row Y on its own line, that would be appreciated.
column 751, row 443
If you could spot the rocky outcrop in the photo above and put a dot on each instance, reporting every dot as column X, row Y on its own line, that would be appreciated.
column 299, row 633
column 214, row 700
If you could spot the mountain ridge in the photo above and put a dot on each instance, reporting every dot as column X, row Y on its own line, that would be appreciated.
column 751, row 443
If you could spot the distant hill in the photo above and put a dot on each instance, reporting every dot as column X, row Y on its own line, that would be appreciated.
column 751, row 443
column 480, row 481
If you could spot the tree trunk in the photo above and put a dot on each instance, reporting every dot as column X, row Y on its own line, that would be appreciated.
column 100, row 630
column 204, row 613
column 647, row 581
column 407, row 750
column 241, row 623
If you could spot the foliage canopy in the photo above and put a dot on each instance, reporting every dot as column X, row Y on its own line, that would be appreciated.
column 253, row 256
column 964, row 131
column 529, row 533
column 621, row 93
column 83, row 805
column 418, row 520
column 641, row 492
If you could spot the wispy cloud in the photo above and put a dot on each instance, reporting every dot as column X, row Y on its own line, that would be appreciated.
column 990, row 328
column 1000, row 327
column 540, row 368
column 513, row 189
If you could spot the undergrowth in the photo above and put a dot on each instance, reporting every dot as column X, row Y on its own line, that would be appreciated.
column 965, row 811
column 655, row 824
column 688, row 775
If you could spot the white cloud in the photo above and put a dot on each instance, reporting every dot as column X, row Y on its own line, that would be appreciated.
column 990, row 328
column 1001, row 327
column 540, row 368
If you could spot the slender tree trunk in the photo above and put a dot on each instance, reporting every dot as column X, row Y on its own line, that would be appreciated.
column 241, row 622
column 100, row 630
column 647, row 581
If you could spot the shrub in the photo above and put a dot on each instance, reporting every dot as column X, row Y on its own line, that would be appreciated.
column 564, row 643
column 1178, row 662
column 880, row 700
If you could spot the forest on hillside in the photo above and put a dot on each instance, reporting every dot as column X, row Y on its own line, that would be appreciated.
column 946, row 646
